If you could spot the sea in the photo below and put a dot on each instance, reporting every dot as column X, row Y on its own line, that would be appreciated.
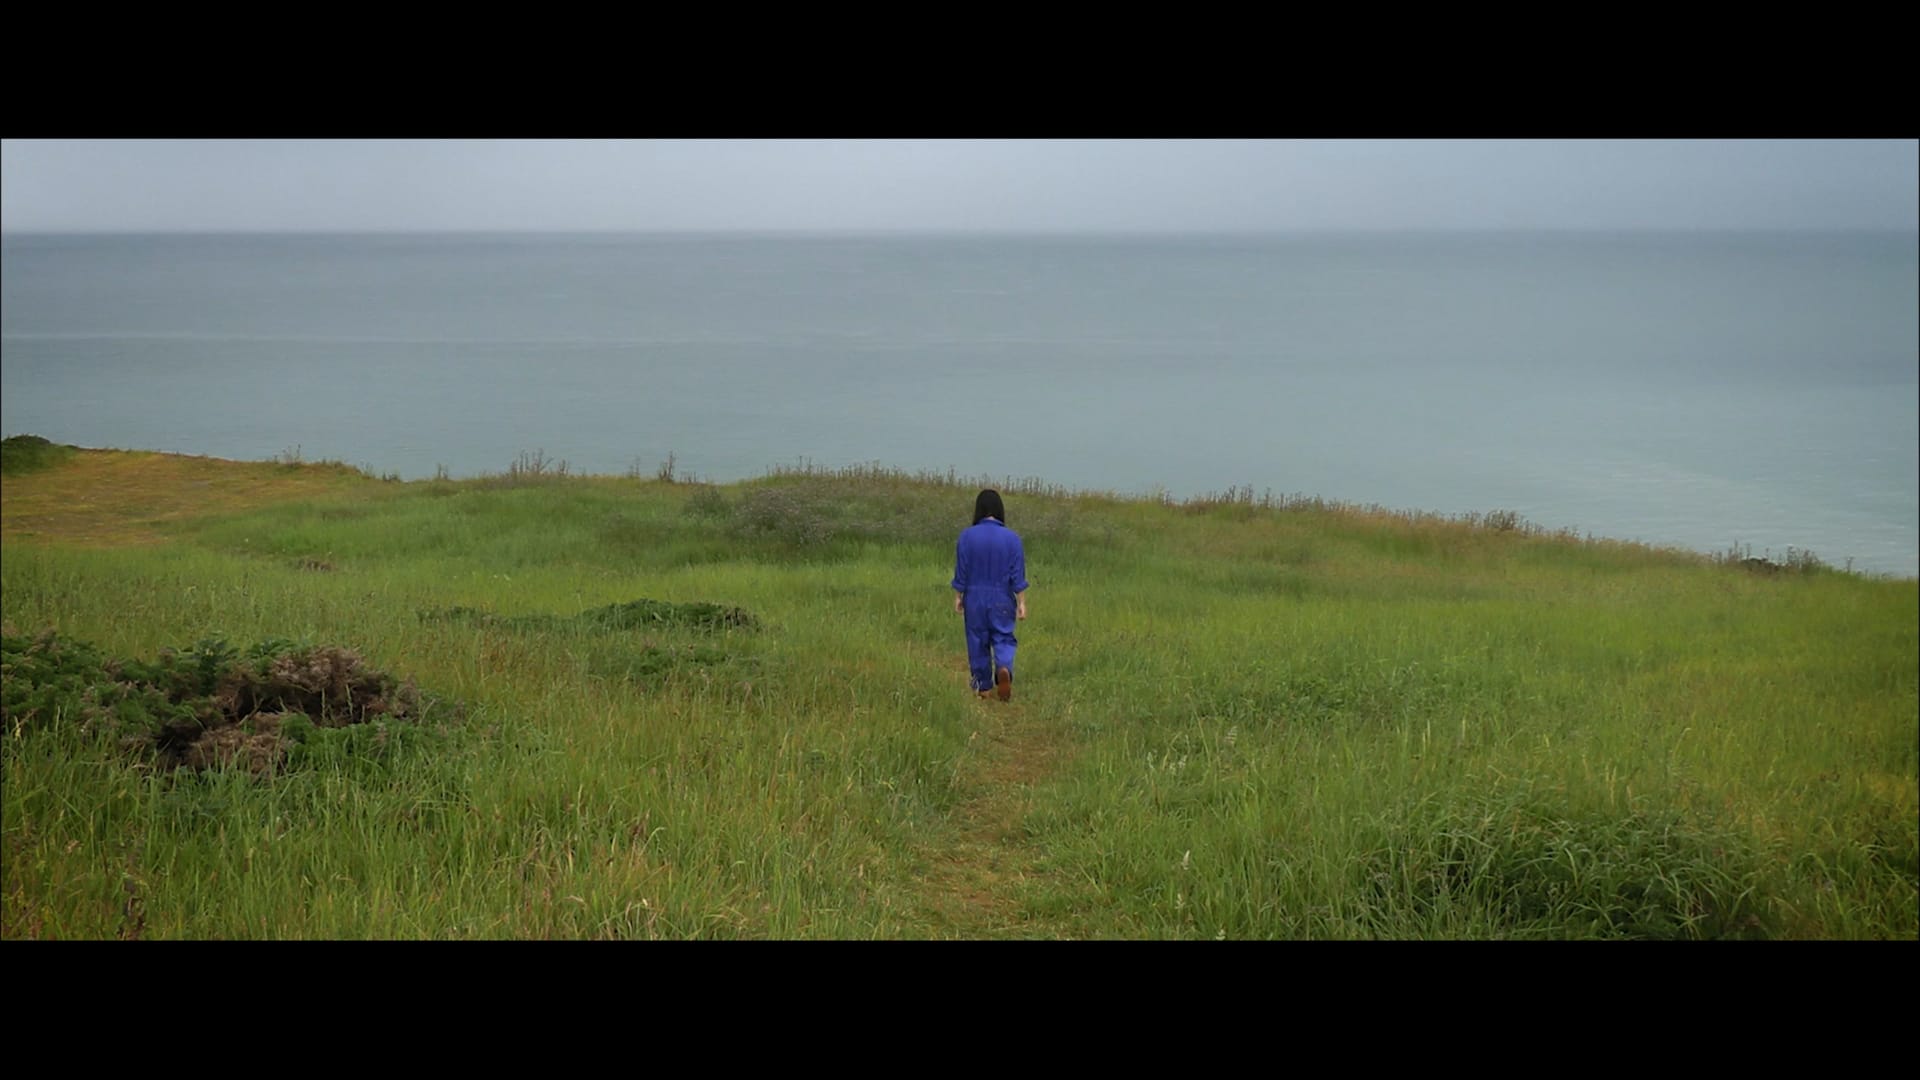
column 1714, row 391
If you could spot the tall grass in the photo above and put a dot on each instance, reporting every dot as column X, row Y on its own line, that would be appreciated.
column 1286, row 719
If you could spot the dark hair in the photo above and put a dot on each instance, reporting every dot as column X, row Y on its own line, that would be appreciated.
column 988, row 505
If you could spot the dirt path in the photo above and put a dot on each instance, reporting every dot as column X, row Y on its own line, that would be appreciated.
column 976, row 868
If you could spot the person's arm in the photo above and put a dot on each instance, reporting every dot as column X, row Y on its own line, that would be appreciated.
column 960, row 575
column 1019, row 579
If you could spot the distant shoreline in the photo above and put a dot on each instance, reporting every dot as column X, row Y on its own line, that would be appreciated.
column 1692, row 388
column 991, row 234
column 535, row 466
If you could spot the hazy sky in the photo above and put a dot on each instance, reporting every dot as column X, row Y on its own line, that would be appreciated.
column 990, row 185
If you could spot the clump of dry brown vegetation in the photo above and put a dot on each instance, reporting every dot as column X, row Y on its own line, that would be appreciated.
column 207, row 706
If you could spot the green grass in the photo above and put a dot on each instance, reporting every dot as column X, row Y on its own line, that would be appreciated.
column 1296, row 720
column 23, row 454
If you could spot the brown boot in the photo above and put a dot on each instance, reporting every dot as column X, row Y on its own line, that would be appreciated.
column 1003, row 683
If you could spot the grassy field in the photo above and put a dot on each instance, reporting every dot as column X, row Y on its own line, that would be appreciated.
column 1231, row 720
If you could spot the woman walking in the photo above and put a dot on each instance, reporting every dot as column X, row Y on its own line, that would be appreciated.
column 990, row 590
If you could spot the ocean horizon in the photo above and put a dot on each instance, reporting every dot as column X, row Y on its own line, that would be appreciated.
column 1701, row 389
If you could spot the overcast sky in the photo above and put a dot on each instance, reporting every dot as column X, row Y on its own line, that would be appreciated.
column 993, row 185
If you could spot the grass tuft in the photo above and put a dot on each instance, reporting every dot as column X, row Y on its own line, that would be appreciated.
column 23, row 454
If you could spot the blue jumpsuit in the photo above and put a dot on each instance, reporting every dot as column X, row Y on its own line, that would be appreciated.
column 989, row 567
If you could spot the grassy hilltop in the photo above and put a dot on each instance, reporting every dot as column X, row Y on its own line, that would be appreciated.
column 282, row 700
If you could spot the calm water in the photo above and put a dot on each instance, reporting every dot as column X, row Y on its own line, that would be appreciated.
column 1691, row 389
